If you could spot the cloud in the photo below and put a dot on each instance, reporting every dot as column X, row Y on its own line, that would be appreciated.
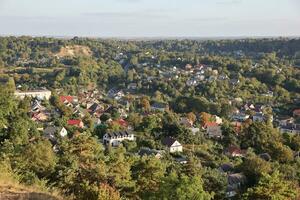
column 123, row 15
column 229, row 2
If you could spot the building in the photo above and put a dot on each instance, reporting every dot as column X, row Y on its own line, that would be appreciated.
column 296, row 113
column 291, row 128
column 162, row 107
column 172, row 144
column 150, row 152
column 76, row 122
column 213, row 130
column 51, row 132
column 39, row 94
column 116, row 138
column 235, row 183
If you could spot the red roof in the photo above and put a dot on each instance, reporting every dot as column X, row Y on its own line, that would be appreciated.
column 210, row 124
column 121, row 122
column 297, row 112
column 66, row 98
column 74, row 122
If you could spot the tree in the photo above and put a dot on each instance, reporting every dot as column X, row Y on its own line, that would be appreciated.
column 145, row 104
column 147, row 173
column 271, row 187
column 254, row 167
column 38, row 157
column 119, row 174
column 182, row 187
column 215, row 182
column 81, row 167
column 192, row 117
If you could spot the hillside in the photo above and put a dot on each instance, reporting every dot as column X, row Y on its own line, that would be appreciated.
column 74, row 50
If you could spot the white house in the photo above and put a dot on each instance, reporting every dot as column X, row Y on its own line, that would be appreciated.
column 39, row 94
column 172, row 144
column 63, row 132
column 115, row 138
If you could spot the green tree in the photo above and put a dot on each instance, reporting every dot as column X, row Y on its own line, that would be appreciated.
column 182, row 187
column 271, row 187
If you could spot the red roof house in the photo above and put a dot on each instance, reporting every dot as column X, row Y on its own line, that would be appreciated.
column 75, row 122
column 296, row 113
column 64, row 99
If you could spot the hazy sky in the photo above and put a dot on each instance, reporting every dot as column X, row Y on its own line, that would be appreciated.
column 136, row 18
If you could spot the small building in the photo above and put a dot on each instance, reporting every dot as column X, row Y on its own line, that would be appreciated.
column 172, row 144
column 144, row 151
column 296, row 113
column 162, row 107
column 241, row 117
column 234, row 151
column 115, row 138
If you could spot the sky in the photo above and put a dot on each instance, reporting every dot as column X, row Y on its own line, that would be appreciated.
column 150, row 18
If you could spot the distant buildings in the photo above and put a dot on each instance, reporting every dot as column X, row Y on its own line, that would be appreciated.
column 39, row 94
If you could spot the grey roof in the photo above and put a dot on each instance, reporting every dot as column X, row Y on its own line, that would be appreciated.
column 237, row 178
column 50, row 130
column 168, row 141
column 119, row 134
column 148, row 152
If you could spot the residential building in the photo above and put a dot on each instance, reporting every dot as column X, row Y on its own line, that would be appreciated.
column 213, row 130
column 172, row 144
column 39, row 94
column 116, row 138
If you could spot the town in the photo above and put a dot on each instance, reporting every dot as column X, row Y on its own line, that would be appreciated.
column 134, row 122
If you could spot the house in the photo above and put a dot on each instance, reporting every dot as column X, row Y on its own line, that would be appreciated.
column 285, row 120
column 39, row 116
column 218, row 119
column 235, row 183
column 234, row 151
column 39, row 94
column 194, row 130
column 213, row 130
column 186, row 122
column 258, row 117
column 290, row 128
column 37, row 107
column 172, row 144
column 296, row 113
column 51, row 131
column 162, row 107
column 241, row 117
column 75, row 122
column 144, row 151
column 68, row 99
column 115, row 138
column 132, row 86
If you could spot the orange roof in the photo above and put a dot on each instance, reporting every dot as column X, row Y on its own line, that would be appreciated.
column 66, row 98
column 210, row 124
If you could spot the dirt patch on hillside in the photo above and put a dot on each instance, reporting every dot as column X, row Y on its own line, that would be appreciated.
column 73, row 51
